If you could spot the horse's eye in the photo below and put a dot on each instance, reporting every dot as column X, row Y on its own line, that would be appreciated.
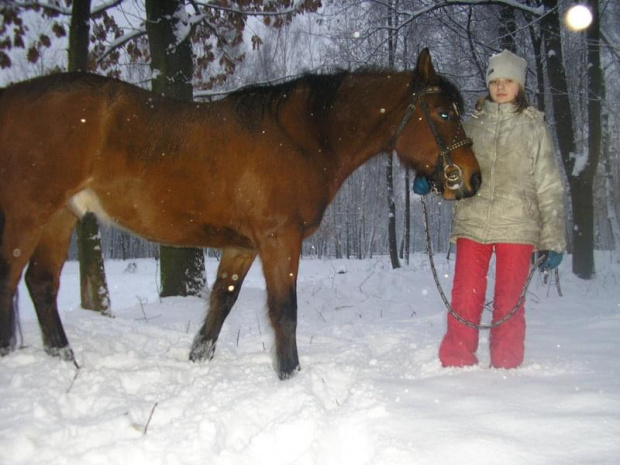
column 444, row 115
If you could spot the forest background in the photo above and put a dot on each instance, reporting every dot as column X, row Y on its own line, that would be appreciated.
column 202, row 50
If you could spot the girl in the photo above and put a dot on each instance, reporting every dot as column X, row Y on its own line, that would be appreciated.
column 519, row 208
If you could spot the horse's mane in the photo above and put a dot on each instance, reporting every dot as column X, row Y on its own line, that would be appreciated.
column 452, row 92
column 254, row 102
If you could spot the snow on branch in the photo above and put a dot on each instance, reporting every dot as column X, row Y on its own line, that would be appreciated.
column 536, row 11
column 48, row 6
column 287, row 11
column 67, row 11
column 122, row 40
column 410, row 16
column 99, row 9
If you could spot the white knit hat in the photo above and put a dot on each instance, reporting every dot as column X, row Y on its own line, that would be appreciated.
column 507, row 65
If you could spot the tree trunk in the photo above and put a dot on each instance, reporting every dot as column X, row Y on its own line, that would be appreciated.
column 392, row 242
column 612, row 217
column 507, row 28
column 595, row 92
column 94, row 293
column 407, row 234
column 182, row 270
column 538, row 58
column 580, row 179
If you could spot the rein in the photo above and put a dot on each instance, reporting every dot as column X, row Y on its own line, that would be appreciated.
column 458, row 317
column 451, row 171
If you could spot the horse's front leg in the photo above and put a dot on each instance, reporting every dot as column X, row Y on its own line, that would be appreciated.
column 231, row 272
column 279, row 254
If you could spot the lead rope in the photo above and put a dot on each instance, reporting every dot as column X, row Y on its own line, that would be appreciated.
column 459, row 318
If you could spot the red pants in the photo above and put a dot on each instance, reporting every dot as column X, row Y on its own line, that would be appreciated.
column 512, row 264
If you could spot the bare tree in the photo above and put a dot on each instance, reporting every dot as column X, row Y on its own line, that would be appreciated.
column 182, row 270
column 94, row 293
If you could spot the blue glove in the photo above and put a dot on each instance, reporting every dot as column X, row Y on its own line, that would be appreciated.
column 421, row 185
column 552, row 260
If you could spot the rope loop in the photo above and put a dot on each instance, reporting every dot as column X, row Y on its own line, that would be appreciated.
column 458, row 317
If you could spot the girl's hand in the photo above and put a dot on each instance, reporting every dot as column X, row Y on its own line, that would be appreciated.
column 552, row 260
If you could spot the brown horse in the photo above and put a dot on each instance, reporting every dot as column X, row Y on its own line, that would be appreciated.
column 251, row 174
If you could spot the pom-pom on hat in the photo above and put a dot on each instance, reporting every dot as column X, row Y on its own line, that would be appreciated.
column 507, row 65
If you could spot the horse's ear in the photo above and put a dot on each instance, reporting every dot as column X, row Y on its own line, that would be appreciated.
column 425, row 71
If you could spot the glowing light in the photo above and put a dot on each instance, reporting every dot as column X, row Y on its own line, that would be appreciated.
column 578, row 18
column 356, row 35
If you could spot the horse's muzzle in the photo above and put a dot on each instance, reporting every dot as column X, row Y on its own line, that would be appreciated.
column 454, row 186
column 474, row 184
column 453, row 177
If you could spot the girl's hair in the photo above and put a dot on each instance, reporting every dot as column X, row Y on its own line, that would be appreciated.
column 520, row 101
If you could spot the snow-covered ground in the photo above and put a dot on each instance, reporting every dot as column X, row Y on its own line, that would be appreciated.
column 371, row 389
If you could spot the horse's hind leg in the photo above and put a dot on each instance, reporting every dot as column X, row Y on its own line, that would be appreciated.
column 7, row 313
column 16, row 245
column 231, row 272
column 43, row 279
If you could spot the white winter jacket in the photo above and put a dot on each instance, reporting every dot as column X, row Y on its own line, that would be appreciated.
column 521, row 197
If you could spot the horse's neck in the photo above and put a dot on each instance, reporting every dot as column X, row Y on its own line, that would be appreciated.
column 364, row 119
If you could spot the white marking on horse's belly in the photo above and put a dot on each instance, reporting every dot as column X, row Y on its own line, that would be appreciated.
column 87, row 201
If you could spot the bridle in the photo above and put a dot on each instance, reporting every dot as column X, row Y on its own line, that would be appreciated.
column 453, row 174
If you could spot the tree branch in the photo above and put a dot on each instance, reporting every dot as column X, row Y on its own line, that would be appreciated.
column 247, row 13
column 100, row 9
column 122, row 41
column 45, row 5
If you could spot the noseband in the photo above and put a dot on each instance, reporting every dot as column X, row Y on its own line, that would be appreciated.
column 453, row 174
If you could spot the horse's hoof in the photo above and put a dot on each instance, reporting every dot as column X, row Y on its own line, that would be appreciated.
column 6, row 350
column 285, row 374
column 64, row 353
column 202, row 350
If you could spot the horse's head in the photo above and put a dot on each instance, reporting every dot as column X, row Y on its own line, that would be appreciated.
column 432, row 124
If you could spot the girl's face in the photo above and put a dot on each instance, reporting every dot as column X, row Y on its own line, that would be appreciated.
column 504, row 90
